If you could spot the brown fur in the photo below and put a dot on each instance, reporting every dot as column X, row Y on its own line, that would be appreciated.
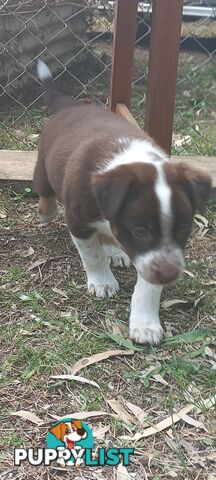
column 127, row 199
column 74, row 144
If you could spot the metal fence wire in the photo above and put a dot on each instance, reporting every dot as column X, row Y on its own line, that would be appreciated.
column 75, row 39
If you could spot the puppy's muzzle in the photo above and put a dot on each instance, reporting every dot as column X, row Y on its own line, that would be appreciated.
column 160, row 267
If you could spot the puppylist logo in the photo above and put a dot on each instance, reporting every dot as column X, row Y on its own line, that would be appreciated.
column 70, row 442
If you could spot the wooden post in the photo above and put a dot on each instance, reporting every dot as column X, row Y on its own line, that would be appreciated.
column 162, row 73
column 123, row 50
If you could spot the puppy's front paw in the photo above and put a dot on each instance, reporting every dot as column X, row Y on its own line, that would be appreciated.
column 144, row 334
column 102, row 288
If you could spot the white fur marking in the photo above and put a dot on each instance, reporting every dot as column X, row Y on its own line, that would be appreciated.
column 135, row 151
column 101, row 280
column 43, row 71
column 163, row 192
column 145, row 324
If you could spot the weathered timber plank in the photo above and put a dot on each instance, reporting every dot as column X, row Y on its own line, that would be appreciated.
column 18, row 166
column 123, row 111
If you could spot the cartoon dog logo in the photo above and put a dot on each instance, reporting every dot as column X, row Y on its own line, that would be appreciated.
column 69, row 433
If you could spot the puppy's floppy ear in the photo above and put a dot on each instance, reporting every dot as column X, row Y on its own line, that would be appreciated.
column 110, row 189
column 56, row 431
column 79, row 427
column 196, row 183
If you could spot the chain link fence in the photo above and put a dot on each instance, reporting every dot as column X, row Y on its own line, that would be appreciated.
column 75, row 39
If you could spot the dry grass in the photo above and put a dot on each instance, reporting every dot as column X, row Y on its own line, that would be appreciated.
column 44, row 333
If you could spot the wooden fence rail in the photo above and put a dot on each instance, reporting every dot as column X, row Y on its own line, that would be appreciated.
column 123, row 52
column 163, row 63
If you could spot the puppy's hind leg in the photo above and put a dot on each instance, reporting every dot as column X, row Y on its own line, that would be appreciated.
column 48, row 209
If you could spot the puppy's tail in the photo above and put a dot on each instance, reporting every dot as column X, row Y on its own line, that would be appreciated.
column 54, row 100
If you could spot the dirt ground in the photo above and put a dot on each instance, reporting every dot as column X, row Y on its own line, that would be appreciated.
column 48, row 322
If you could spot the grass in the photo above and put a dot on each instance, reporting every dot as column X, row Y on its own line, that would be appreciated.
column 49, row 322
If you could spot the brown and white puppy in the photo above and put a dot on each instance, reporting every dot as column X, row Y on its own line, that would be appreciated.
column 123, row 199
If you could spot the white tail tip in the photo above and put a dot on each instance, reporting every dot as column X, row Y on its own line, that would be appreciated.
column 43, row 71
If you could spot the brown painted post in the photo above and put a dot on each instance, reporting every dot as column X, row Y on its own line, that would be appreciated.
column 123, row 51
column 162, row 74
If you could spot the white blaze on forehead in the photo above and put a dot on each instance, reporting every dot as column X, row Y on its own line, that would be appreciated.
column 134, row 151
column 163, row 192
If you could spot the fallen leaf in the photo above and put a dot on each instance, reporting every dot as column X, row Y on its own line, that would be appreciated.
column 159, row 427
column 82, row 415
column 122, row 473
column 195, row 423
column 77, row 378
column 158, row 378
column 209, row 352
column 98, row 357
column 202, row 233
column 59, row 292
column 171, row 303
column 121, row 412
column 26, row 415
column 100, row 431
column 200, row 220
column 28, row 252
column 211, row 283
column 190, row 274
column 138, row 413
column 167, row 422
column 199, row 299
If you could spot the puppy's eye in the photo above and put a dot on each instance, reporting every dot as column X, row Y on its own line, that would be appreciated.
column 140, row 232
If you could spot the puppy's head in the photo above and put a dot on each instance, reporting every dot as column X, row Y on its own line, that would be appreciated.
column 69, row 432
column 150, row 208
